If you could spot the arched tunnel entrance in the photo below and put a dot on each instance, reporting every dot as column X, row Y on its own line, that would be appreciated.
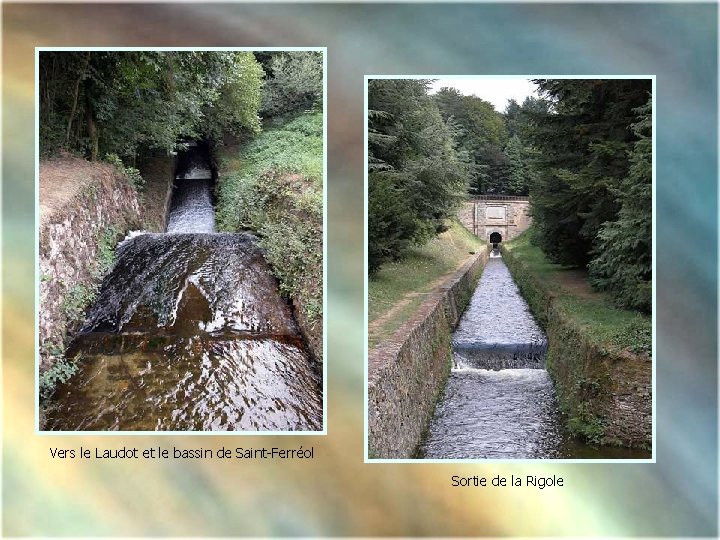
column 495, row 238
column 193, row 197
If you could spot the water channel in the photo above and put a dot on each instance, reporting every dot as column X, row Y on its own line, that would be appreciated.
column 189, row 332
column 499, row 402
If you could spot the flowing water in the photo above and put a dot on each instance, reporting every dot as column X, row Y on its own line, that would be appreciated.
column 499, row 401
column 191, row 207
column 189, row 332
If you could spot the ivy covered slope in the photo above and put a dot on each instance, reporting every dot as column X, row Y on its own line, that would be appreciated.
column 273, row 186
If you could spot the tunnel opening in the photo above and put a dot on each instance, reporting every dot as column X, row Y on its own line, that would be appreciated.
column 197, row 161
column 193, row 200
column 495, row 239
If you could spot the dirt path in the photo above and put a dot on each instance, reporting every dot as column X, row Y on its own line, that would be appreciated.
column 374, row 328
column 62, row 178
column 576, row 283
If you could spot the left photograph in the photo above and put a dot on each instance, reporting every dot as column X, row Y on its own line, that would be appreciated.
column 180, row 240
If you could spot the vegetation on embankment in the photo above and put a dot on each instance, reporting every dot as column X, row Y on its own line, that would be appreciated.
column 599, row 355
column 273, row 186
column 398, row 288
column 591, row 198
column 85, row 209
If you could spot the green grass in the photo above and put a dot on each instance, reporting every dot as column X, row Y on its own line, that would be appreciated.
column 250, row 183
column 415, row 273
column 273, row 186
column 593, row 312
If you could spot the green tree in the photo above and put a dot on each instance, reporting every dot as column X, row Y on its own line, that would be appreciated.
column 522, row 168
column 417, row 177
column 482, row 134
column 123, row 102
column 622, row 262
column 294, row 82
column 582, row 143
column 391, row 222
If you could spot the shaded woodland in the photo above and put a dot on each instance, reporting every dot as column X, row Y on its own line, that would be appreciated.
column 581, row 150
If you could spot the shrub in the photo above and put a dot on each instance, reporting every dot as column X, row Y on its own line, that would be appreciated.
column 133, row 174
column 58, row 373
column 275, row 190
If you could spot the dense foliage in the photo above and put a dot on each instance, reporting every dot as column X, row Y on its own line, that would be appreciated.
column 481, row 134
column 294, row 82
column 417, row 176
column 110, row 102
column 274, row 187
column 591, row 196
column 622, row 260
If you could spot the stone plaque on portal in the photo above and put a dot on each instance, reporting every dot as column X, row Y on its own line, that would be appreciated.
column 495, row 212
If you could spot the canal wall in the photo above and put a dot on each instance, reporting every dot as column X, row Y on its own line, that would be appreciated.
column 407, row 371
column 158, row 172
column 606, row 394
column 84, row 209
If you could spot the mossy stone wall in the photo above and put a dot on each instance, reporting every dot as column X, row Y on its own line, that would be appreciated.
column 407, row 372
column 606, row 394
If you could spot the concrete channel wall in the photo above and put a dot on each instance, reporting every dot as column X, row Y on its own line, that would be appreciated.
column 407, row 371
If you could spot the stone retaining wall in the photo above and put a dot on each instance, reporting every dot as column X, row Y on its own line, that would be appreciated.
column 159, row 175
column 100, row 204
column 606, row 394
column 407, row 372
column 509, row 216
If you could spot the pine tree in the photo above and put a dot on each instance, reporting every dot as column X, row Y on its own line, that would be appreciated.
column 417, row 174
column 623, row 252
column 583, row 143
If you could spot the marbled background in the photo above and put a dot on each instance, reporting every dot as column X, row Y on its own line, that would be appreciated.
column 336, row 494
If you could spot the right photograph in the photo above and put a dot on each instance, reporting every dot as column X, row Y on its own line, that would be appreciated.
column 509, row 264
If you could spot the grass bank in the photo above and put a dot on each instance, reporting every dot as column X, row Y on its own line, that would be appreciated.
column 599, row 356
column 398, row 288
column 273, row 186
column 592, row 312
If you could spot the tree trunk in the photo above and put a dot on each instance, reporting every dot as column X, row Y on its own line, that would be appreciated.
column 81, row 76
column 92, row 132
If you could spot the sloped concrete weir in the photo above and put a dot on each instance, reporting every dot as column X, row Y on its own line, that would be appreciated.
column 189, row 332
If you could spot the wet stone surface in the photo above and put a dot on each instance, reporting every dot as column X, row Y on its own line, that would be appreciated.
column 189, row 332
